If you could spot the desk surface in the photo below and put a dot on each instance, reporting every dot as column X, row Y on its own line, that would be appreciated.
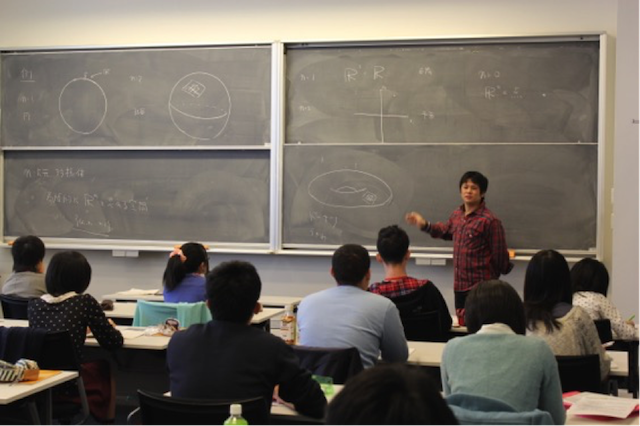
column 13, row 392
column 126, row 310
column 275, row 301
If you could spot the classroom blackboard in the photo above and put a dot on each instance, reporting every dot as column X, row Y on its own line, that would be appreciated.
column 137, row 97
column 374, row 131
column 214, row 196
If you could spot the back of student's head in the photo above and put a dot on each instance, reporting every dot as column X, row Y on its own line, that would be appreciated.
column 67, row 271
column 590, row 275
column 392, row 244
column 233, row 288
column 494, row 301
column 547, row 282
column 185, row 260
column 477, row 178
column 27, row 252
column 350, row 263
column 390, row 394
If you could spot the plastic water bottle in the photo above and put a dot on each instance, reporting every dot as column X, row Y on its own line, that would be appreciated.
column 236, row 416
column 288, row 326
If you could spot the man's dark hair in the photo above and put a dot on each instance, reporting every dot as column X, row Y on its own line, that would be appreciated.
column 477, row 178
column 67, row 271
column 392, row 244
column 27, row 252
column 494, row 301
column 390, row 394
column 350, row 264
column 233, row 288
column 590, row 275
column 547, row 282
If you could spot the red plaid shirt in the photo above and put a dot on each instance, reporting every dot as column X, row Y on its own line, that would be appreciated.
column 479, row 246
column 398, row 286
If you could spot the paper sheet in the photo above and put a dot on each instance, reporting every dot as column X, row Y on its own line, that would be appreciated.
column 593, row 404
column 140, row 292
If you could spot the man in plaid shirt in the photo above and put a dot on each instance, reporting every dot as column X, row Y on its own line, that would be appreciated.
column 479, row 246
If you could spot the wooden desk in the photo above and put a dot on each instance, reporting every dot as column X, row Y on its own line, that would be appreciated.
column 123, row 313
column 579, row 420
column 14, row 392
column 267, row 301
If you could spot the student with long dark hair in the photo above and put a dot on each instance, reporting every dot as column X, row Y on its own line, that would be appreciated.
column 547, row 303
column 590, row 283
column 184, row 276
column 498, row 361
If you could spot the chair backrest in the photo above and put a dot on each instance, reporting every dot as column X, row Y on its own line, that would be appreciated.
column 579, row 373
column 423, row 327
column 481, row 410
column 337, row 363
column 14, row 307
column 604, row 330
column 157, row 409
column 420, row 323
column 154, row 313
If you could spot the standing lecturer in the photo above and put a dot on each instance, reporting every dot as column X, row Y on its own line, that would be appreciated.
column 479, row 247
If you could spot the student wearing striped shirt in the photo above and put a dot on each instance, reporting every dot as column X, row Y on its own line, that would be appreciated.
column 479, row 246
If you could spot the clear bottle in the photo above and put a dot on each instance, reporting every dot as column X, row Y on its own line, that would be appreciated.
column 288, row 326
column 236, row 416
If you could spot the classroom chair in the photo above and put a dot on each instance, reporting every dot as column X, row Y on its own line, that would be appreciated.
column 58, row 353
column 154, row 313
column 14, row 307
column 604, row 330
column 481, row 410
column 337, row 363
column 419, row 323
column 580, row 373
column 158, row 409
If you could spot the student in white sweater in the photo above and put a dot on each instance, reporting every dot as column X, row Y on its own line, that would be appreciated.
column 590, row 283
column 498, row 361
column 568, row 329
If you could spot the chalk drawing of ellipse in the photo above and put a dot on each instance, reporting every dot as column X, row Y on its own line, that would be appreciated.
column 350, row 189
column 200, row 106
column 82, row 105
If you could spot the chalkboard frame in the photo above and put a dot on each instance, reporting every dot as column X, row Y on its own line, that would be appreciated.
column 263, row 50
column 276, row 148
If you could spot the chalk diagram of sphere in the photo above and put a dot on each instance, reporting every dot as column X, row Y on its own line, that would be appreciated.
column 350, row 189
column 82, row 105
column 200, row 106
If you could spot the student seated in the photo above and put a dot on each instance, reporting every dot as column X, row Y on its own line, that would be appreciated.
column 27, row 278
column 547, row 305
column 349, row 316
column 227, row 358
column 390, row 394
column 66, row 307
column 498, row 361
column 394, row 254
column 590, row 283
column 183, row 278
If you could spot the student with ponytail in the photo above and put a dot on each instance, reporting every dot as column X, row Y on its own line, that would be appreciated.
column 184, row 276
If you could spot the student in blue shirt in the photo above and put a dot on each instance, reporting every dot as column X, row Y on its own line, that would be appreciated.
column 183, row 278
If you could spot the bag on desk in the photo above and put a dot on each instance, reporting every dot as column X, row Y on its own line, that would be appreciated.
column 23, row 369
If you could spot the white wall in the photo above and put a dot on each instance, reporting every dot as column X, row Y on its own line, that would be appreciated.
column 625, row 222
column 66, row 23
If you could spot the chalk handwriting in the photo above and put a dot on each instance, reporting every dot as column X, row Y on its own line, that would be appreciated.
column 57, row 172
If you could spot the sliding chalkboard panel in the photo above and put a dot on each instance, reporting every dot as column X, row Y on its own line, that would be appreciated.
column 376, row 130
column 544, row 194
column 137, row 97
column 214, row 196
column 500, row 92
